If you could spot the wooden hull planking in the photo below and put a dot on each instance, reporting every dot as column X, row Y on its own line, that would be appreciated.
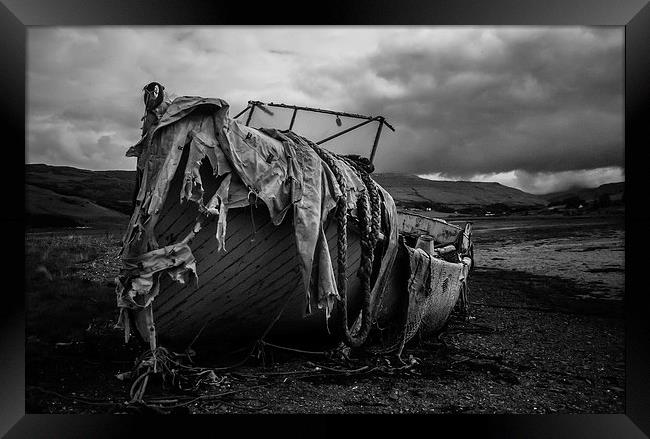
column 243, row 289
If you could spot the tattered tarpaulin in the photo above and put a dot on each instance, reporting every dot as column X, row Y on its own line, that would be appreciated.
column 176, row 260
column 277, row 168
column 433, row 289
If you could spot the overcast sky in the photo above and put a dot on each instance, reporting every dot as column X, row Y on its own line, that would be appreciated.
column 540, row 109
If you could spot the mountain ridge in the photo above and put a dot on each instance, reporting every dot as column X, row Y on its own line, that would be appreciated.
column 105, row 196
column 413, row 191
column 587, row 194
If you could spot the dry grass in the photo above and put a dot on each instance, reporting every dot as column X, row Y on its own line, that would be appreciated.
column 53, row 256
column 63, row 303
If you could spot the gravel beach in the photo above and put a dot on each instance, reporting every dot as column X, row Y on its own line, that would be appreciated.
column 546, row 335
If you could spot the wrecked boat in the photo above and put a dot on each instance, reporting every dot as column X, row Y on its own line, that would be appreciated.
column 240, row 234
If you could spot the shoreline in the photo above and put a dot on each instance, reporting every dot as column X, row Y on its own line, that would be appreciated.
column 536, row 343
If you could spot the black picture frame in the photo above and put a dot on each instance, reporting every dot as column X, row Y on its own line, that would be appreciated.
column 17, row 15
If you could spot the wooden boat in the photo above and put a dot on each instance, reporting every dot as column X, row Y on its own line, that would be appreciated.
column 256, row 289
column 407, row 307
column 241, row 291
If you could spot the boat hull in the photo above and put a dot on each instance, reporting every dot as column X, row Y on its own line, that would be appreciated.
column 403, row 309
column 253, row 286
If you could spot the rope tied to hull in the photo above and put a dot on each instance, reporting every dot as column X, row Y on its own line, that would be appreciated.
column 373, row 193
column 369, row 214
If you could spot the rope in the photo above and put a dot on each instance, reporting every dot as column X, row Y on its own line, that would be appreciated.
column 373, row 193
column 369, row 236
column 299, row 351
column 369, row 214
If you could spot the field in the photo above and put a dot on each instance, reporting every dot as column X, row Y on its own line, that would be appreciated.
column 546, row 335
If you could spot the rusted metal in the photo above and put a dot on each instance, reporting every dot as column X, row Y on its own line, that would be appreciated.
column 347, row 130
column 367, row 119
column 320, row 110
column 242, row 112
column 316, row 110
column 376, row 142
column 250, row 115
column 264, row 109
column 293, row 118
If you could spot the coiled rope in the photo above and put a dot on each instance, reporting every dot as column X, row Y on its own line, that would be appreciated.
column 369, row 214
column 373, row 193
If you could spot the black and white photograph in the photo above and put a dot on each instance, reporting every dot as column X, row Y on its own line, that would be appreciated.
column 325, row 219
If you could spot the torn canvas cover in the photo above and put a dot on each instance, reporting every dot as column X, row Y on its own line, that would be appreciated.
column 279, row 169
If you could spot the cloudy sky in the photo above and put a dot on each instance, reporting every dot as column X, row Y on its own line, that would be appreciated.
column 540, row 109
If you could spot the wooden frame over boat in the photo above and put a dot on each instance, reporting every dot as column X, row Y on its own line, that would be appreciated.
column 252, row 105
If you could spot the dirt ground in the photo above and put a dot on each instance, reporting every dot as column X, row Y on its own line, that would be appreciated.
column 546, row 335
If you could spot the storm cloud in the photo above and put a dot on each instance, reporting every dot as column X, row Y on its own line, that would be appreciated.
column 534, row 108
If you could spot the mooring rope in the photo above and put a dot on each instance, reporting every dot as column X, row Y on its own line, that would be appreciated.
column 373, row 193
column 369, row 214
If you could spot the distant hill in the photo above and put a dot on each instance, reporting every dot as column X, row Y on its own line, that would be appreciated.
column 62, row 196
column 46, row 208
column 613, row 190
column 445, row 196
column 110, row 189
column 66, row 196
